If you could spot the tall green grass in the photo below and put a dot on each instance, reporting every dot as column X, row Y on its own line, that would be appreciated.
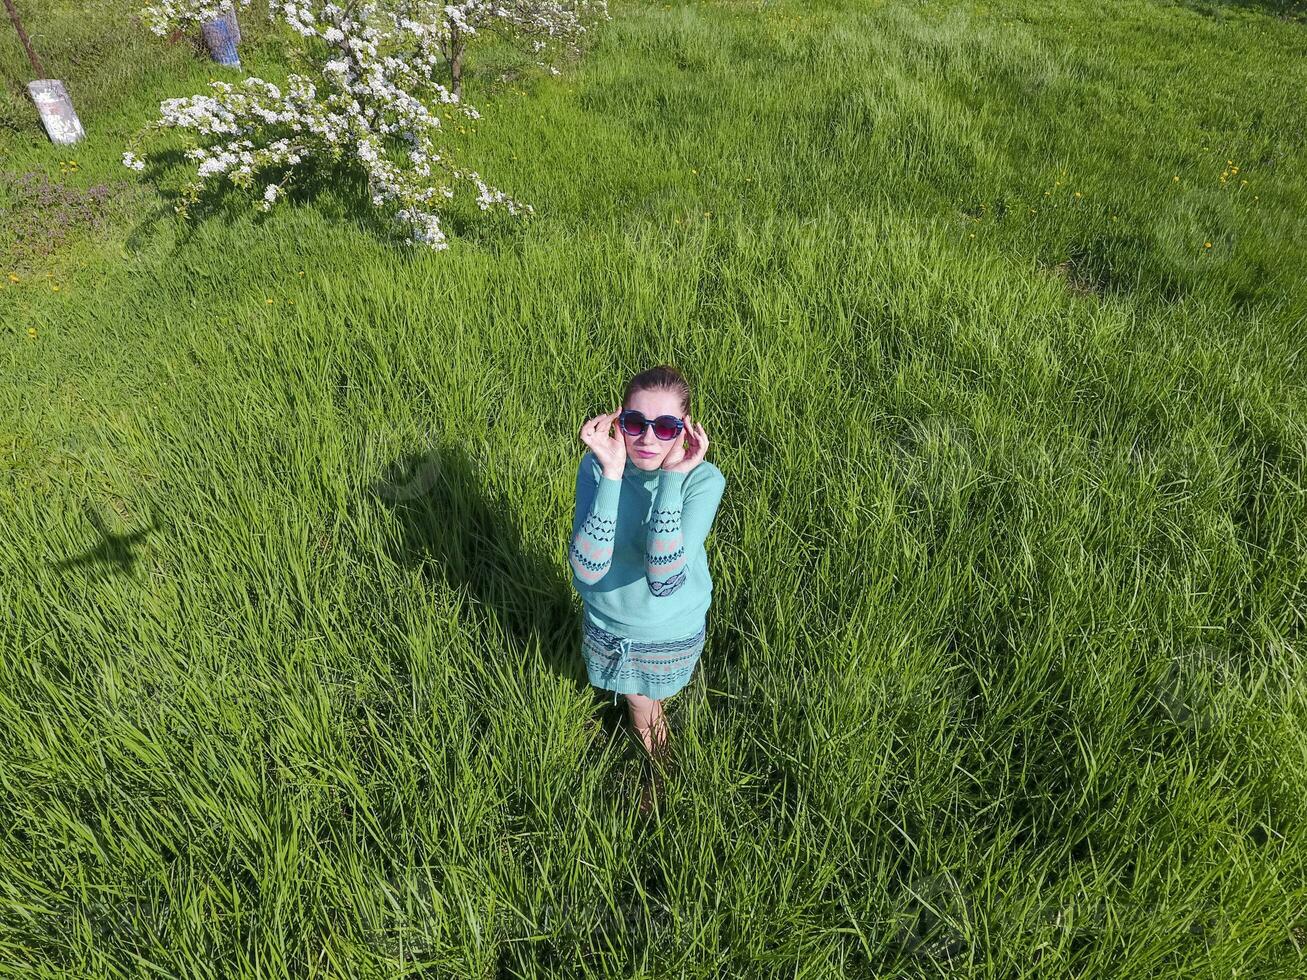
column 1005, row 670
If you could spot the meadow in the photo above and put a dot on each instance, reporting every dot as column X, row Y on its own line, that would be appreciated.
column 994, row 313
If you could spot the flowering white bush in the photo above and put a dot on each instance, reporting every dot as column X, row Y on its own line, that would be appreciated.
column 365, row 101
column 164, row 16
column 536, row 25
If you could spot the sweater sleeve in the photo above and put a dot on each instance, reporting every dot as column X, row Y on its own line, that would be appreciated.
column 594, row 523
column 678, row 527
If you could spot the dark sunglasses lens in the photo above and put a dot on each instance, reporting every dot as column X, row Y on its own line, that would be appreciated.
column 632, row 423
column 665, row 427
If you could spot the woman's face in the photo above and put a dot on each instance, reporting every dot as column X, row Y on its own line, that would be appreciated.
column 646, row 450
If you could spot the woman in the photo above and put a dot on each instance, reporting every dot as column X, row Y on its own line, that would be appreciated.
column 645, row 502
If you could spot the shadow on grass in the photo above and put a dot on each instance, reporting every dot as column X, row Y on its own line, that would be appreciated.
column 339, row 194
column 1291, row 10
column 458, row 535
column 116, row 553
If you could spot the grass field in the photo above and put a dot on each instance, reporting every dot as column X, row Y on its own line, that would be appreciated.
column 995, row 316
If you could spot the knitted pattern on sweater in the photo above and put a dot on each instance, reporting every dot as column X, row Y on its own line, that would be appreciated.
column 638, row 551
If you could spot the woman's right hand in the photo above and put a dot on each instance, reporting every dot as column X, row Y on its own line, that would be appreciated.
column 608, row 446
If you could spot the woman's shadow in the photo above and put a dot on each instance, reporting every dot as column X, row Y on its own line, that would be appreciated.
column 455, row 532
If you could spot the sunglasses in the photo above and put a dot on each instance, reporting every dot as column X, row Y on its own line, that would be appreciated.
column 665, row 427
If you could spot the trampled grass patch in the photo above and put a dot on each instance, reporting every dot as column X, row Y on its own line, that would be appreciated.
column 994, row 314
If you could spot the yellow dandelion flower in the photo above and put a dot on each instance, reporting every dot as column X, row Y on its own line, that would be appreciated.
column 268, row 301
column 31, row 331
column 13, row 278
column 55, row 288
column 1077, row 193
column 1175, row 179
column 1207, row 244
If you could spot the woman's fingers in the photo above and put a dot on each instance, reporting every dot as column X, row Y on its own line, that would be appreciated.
column 700, row 442
column 591, row 425
column 598, row 431
column 598, row 437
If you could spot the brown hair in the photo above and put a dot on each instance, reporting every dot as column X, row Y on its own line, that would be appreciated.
column 664, row 377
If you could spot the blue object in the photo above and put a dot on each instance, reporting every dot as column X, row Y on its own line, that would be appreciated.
column 220, row 37
column 634, row 423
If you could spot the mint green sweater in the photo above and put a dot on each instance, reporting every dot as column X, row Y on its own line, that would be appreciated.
column 638, row 548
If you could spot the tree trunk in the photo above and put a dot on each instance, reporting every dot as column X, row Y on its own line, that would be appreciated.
column 23, row 40
column 48, row 94
column 456, row 43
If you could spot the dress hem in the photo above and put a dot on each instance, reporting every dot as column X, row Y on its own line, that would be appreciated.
column 656, row 669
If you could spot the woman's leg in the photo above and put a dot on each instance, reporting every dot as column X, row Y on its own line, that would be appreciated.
column 649, row 721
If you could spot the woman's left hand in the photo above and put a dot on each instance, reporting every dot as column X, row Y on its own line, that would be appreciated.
column 686, row 456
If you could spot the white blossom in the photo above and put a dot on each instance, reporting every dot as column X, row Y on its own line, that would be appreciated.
column 164, row 15
column 537, row 26
column 367, row 100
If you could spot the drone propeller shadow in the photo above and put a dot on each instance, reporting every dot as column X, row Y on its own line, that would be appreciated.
column 115, row 552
